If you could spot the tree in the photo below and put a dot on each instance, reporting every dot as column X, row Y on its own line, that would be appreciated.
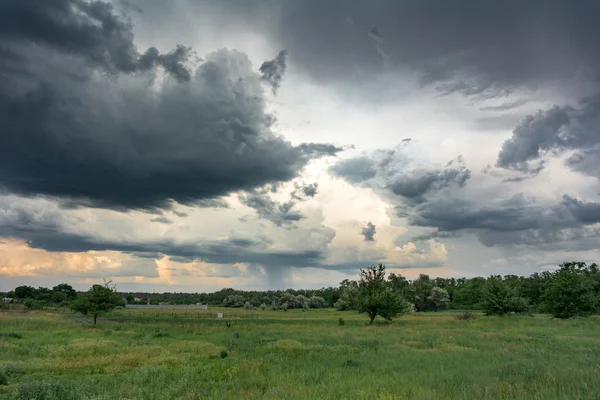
column 376, row 297
column 65, row 289
column 316, row 302
column 421, row 290
column 97, row 301
column 439, row 297
column 500, row 299
column 25, row 292
column 570, row 292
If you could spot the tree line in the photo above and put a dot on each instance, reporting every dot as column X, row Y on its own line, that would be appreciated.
column 571, row 290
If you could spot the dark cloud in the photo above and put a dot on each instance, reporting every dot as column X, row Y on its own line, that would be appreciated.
column 377, row 36
column 281, row 214
column 272, row 71
column 355, row 170
column 514, row 221
column 554, row 131
column 473, row 47
column 415, row 185
column 369, row 232
column 92, row 30
column 122, row 140
column 584, row 212
column 162, row 220
column 303, row 191
column 375, row 33
column 391, row 171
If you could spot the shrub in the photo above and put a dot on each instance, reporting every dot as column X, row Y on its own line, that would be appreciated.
column 341, row 321
column 342, row 305
column 235, row 301
column 247, row 305
column 32, row 304
column 223, row 354
column 463, row 316
column 263, row 306
column 316, row 302
column 499, row 299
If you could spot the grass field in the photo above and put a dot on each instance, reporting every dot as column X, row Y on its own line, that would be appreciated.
column 297, row 355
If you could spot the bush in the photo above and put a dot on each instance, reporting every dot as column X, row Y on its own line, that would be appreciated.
column 223, row 354
column 342, row 305
column 263, row 306
column 341, row 321
column 463, row 316
column 247, row 305
column 235, row 301
column 571, row 292
column 316, row 302
column 31, row 304
column 499, row 299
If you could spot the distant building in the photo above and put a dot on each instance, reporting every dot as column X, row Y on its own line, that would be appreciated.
column 7, row 299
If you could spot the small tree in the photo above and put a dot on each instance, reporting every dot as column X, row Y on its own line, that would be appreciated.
column 316, row 302
column 439, row 297
column 247, row 305
column 375, row 297
column 97, row 301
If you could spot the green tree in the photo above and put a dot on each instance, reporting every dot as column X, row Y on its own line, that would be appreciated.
column 376, row 297
column 570, row 292
column 500, row 299
column 421, row 290
column 98, row 300
column 439, row 298
column 25, row 292
column 64, row 291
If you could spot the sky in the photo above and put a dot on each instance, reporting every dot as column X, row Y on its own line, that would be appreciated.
column 191, row 145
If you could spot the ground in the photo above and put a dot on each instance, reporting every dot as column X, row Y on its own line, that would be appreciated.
column 180, row 354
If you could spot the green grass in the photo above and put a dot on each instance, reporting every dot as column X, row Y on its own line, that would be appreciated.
column 297, row 355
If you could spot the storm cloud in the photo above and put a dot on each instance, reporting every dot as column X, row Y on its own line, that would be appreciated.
column 556, row 130
column 368, row 232
column 272, row 70
column 122, row 140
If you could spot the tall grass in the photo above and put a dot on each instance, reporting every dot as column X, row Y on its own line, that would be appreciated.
column 297, row 355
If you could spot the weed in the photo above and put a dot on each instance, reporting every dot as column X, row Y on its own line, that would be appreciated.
column 463, row 316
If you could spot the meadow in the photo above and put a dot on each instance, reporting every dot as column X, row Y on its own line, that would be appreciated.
column 190, row 354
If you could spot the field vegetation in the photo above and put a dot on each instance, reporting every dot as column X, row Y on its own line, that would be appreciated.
column 380, row 337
